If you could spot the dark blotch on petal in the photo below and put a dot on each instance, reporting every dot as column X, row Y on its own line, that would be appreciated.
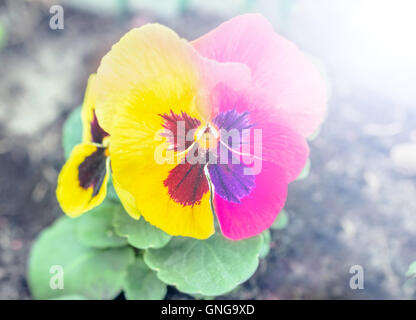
column 230, row 180
column 178, row 139
column 92, row 171
column 97, row 133
column 231, row 119
column 187, row 183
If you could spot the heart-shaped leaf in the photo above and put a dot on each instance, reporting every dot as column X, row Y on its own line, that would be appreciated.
column 139, row 233
column 281, row 221
column 141, row 283
column 72, row 131
column 209, row 267
column 59, row 265
column 95, row 228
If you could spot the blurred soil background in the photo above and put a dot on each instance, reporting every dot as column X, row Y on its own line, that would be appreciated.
column 358, row 205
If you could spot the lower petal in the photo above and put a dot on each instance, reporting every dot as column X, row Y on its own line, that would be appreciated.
column 257, row 211
column 82, row 182
column 158, row 208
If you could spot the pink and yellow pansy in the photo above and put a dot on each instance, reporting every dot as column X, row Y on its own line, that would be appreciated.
column 241, row 77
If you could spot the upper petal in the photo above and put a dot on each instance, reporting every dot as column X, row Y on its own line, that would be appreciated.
column 152, row 53
column 284, row 74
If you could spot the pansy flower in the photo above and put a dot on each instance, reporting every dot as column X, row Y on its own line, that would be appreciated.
column 82, row 182
column 170, row 106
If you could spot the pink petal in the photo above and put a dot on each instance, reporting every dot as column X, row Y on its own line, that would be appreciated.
column 280, row 143
column 256, row 212
column 284, row 74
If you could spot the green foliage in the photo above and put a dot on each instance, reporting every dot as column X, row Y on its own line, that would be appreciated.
column 72, row 131
column 139, row 233
column 111, row 192
column 412, row 270
column 210, row 267
column 70, row 297
column 306, row 170
column 281, row 221
column 3, row 36
column 87, row 272
column 141, row 283
column 183, row 5
column 95, row 228
column 265, row 248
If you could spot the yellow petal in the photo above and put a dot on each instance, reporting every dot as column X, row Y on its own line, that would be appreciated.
column 127, row 200
column 78, row 191
column 88, row 107
column 91, row 129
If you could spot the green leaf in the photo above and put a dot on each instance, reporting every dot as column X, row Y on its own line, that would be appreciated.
column 265, row 248
column 139, row 233
column 87, row 272
column 141, row 283
column 111, row 192
column 3, row 36
column 197, row 296
column 208, row 267
column 412, row 270
column 281, row 221
column 70, row 297
column 72, row 131
column 305, row 172
column 95, row 228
